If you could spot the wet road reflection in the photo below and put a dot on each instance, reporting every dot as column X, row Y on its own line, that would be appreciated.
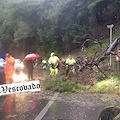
column 28, row 106
column 20, row 107
column 9, row 105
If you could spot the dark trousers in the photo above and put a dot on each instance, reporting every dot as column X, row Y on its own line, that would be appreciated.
column 2, row 77
column 30, row 74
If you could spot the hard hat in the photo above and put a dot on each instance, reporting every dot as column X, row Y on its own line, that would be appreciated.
column 52, row 53
column 70, row 56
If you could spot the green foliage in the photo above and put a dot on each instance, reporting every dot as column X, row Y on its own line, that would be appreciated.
column 22, row 31
column 61, row 84
column 117, row 4
column 44, row 21
column 92, row 4
column 110, row 85
column 49, row 25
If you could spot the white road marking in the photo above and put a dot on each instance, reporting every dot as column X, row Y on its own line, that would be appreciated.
column 46, row 108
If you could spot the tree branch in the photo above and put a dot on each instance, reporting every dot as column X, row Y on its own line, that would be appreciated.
column 107, row 52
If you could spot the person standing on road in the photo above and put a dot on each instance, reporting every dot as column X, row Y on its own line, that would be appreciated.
column 9, row 68
column 30, row 66
column 53, row 62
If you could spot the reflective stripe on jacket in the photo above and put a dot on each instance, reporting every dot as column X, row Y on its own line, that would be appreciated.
column 9, row 67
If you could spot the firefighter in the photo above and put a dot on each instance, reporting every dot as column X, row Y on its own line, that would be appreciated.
column 70, row 65
column 53, row 63
column 9, row 68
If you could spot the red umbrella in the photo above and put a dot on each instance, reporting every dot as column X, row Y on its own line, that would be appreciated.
column 31, row 56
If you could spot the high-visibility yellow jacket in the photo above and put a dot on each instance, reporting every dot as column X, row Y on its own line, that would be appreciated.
column 44, row 61
column 70, row 61
column 53, row 60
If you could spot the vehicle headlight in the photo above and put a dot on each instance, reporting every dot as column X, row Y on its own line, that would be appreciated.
column 19, row 78
column 15, row 78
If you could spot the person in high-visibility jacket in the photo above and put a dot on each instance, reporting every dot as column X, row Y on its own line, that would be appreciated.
column 44, row 64
column 53, row 62
column 9, row 68
column 70, row 65
column 118, row 60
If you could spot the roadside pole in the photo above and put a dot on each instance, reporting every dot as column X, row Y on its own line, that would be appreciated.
column 110, row 27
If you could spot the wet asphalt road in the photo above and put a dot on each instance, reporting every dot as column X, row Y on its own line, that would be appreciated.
column 25, row 107
column 20, row 107
column 29, row 106
column 71, row 112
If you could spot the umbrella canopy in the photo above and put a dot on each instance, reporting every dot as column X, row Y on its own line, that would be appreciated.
column 31, row 56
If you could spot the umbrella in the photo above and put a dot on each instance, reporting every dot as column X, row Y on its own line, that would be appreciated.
column 31, row 56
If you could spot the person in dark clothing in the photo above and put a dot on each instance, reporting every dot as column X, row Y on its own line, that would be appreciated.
column 29, row 66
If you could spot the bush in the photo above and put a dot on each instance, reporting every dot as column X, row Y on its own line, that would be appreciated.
column 61, row 84
column 110, row 85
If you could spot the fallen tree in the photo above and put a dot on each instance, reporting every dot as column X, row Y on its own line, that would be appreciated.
column 86, row 72
column 106, row 53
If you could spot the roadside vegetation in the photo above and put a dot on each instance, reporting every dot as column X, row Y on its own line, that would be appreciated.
column 45, row 24
column 61, row 84
column 62, row 26
column 109, row 85
column 100, row 83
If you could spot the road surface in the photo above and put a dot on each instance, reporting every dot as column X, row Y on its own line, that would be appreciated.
column 47, row 105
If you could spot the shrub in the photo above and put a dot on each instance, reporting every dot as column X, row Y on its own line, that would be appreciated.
column 62, row 84
column 110, row 85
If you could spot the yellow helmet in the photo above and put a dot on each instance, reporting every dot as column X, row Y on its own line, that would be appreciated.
column 52, row 53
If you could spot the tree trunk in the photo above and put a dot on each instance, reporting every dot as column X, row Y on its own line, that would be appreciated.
column 107, row 52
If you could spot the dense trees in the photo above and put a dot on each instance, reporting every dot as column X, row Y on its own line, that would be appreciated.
column 49, row 25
